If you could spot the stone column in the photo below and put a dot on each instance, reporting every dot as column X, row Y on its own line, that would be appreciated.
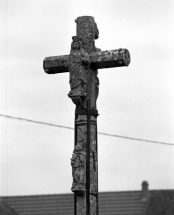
column 85, row 157
column 85, row 165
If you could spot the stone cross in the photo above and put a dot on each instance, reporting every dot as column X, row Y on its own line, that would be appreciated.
column 82, row 64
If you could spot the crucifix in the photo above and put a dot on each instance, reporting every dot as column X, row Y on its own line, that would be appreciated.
column 82, row 64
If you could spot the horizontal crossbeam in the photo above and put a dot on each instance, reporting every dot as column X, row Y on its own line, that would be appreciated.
column 99, row 60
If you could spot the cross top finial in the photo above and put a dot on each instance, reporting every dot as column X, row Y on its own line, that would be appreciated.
column 91, row 18
column 87, row 27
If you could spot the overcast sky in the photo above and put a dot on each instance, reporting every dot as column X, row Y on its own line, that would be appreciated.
column 135, row 101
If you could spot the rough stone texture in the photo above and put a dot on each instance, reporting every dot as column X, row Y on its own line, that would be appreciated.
column 99, row 60
column 78, row 160
column 56, row 64
column 81, row 205
column 79, row 167
column 82, row 64
column 84, row 92
column 78, row 66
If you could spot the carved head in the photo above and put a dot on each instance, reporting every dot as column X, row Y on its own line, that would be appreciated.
column 76, row 44
column 78, row 148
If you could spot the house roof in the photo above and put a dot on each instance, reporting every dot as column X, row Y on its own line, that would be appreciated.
column 5, row 209
column 160, row 202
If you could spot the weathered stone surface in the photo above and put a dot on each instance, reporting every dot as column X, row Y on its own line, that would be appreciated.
column 83, row 79
column 99, row 60
column 109, row 59
column 82, row 64
column 79, row 165
column 81, row 205
column 56, row 64
column 78, row 66
column 78, row 160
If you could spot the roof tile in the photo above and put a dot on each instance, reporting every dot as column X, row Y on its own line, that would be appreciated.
column 110, row 203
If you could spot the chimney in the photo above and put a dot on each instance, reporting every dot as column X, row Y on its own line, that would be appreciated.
column 145, row 191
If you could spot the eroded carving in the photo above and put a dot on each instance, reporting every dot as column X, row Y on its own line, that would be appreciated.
column 78, row 65
column 78, row 162
column 78, row 62
column 93, row 205
column 93, row 160
column 83, row 62
column 81, row 133
column 81, row 75
column 84, row 85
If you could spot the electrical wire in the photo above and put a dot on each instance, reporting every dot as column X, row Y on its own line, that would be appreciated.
column 38, row 122
column 101, row 133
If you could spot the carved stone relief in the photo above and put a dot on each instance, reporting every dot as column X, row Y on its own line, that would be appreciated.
column 93, row 161
column 78, row 162
column 84, row 85
column 81, row 75
column 78, row 67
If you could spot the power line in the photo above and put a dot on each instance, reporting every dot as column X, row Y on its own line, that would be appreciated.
column 138, row 139
column 101, row 133
column 38, row 122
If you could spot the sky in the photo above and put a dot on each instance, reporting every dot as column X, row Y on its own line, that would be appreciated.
column 135, row 101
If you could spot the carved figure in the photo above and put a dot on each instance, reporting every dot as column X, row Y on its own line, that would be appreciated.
column 78, row 170
column 78, row 64
column 80, row 134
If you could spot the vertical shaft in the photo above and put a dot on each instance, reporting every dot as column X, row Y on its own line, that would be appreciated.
column 85, row 164
column 85, row 159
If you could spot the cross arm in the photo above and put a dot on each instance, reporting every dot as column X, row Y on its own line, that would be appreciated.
column 99, row 60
